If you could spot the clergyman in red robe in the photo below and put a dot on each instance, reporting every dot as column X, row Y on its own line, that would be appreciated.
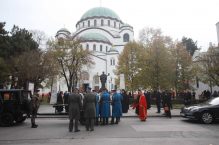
column 142, row 106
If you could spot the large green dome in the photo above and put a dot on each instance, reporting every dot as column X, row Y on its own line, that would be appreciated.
column 94, row 37
column 100, row 12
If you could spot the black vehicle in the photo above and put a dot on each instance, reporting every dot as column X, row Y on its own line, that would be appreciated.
column 14, row 106
column 206, row 112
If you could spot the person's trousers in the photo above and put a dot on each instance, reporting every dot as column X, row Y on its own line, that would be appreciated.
column 105, row 120
column 168, row 113
column 97, row 120
column 117, row 120
column 89, row 124
column 158, row 107
column 73, row 122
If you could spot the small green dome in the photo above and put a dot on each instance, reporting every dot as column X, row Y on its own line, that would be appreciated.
column 113, row 50
column 100, row 12
column 94, row 37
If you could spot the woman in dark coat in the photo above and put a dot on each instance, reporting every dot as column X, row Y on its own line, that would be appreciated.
column 125, row 102
column 60, row 102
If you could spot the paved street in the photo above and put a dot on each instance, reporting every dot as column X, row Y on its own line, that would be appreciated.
column 155, row 131
column 48, row 109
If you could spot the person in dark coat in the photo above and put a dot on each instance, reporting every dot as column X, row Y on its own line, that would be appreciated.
column 60, row 102
column 66, row 94
column 116, row 107
column 167, row 103
column 34, row 106
column 157, row 96
column 89, row 105
column 147, row 94
column 74, row 104
column 215, row 94
column 125, row 101
column 105, row 106
column 97, row 107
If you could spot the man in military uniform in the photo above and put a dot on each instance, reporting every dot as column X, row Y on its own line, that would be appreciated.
column 89, row 109
column 34, row 106
column 74, row 103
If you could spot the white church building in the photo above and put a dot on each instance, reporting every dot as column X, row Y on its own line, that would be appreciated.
column 103, row 32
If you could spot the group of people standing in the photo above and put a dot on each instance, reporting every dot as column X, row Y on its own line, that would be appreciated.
column 96, row 108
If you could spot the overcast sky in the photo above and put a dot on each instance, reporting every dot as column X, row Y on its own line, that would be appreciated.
column 176, row 18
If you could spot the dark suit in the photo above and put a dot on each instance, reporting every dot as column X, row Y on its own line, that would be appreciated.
column 74, row 103
column 89, row 110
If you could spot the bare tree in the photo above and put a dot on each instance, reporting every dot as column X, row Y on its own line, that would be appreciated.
column 71, row 57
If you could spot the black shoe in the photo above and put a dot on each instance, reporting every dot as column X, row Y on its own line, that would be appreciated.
column 87, row 129
column 92, row 130
column 34, row 126
column 70, row 130
column 77, row 130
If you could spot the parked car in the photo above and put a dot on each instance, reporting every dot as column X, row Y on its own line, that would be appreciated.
column 206, row 112
column 14, row 106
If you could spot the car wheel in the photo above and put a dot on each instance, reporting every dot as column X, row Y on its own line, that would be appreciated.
column 7, row 119
column 207, row 117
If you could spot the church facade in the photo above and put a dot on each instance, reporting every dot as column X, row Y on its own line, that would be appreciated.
column 103, row 32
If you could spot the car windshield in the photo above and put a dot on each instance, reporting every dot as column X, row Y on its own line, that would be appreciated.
column 214, row 101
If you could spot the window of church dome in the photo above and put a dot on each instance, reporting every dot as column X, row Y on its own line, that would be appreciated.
column 106, row 48
column 108, row 22
column 114, row 24
column 87, row 47
column 102, row 22
column 95, row 23
column 83, row 24
column 88, row 23
column 101, row 48
column 126, row 37
column 94, row 47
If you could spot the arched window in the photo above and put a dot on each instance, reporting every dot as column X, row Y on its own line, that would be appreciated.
column 84, row 75
column 94, row 47
column 101, row 48
column 114, row 24
column 102, row 22
column 126, row 37
column 87, row 46
column 88, row 23
column 112, row 61
column 83, row 24
column 96, row 79
column 108, row 22
column 106, row 48
column 60, row 41
column 95, row 23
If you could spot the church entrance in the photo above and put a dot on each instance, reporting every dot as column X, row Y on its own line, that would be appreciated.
column 85, row 86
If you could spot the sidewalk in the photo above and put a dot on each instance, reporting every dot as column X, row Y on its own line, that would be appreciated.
column 49, row 110
column 152, row 112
